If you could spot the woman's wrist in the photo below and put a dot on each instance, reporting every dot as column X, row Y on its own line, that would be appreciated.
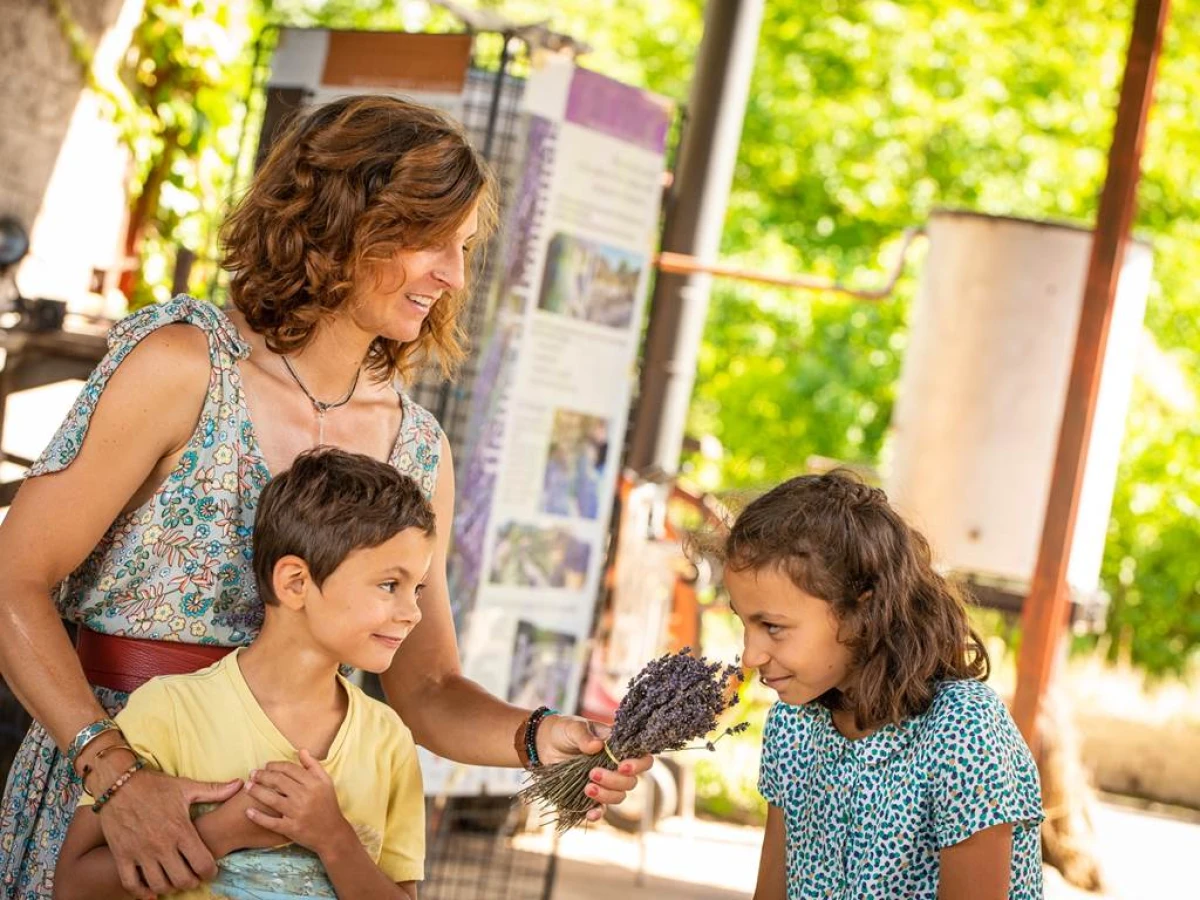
column 102, row 761
column 89, row 738
column 542, row 741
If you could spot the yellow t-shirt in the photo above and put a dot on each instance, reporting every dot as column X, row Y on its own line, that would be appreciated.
column 208, row 726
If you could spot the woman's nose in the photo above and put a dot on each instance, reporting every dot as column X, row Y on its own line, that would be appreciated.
column 453, row 270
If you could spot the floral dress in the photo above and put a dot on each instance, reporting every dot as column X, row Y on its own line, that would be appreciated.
column 177, row 568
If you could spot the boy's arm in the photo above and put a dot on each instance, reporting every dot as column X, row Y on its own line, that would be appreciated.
column 304, row 808
column 86, row 867
column 772, row 865
column 353, row 873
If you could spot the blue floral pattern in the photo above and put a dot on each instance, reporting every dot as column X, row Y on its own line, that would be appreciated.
column 177, row 568
column 869, row 818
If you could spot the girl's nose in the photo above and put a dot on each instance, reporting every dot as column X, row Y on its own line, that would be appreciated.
column 753, row 656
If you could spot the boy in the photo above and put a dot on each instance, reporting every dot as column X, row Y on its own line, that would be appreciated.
column 333, row 804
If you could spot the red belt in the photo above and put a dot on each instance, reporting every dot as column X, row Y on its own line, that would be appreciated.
column 125, row 664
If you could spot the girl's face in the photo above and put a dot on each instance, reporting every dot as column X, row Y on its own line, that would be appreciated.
column 395, row 299
column 791, row 637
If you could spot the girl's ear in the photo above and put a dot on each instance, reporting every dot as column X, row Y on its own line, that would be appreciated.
column 291, row 581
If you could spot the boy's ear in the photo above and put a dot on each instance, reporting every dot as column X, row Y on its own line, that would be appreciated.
column 291, row 580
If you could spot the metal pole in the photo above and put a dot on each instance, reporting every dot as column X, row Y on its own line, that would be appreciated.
column 1044, row 617
column 716, row 108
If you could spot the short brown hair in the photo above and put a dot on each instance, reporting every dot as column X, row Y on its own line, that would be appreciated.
column 839, row 540
column 329, row 504
column 345, row 187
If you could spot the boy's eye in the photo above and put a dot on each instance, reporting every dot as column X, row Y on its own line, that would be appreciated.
column 772, row 630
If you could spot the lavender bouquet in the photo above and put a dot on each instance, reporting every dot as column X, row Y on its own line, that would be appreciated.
column 674, row 700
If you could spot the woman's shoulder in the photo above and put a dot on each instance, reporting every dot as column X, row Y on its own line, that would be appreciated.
column 192, row 328
column 419, row 423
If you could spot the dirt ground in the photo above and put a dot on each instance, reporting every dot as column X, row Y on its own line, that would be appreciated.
column 1147, row 855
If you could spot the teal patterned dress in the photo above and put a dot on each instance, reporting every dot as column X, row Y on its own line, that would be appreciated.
column 868, row 819
column 177, row 568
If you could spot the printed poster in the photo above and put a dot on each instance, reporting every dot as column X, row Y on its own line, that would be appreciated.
column 536, row 486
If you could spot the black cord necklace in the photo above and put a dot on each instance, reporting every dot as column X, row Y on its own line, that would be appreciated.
column 319, row 406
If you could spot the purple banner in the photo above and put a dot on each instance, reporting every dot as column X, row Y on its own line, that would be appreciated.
column 618, row 110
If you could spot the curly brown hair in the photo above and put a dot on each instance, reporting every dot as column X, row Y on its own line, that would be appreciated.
column 346, row 186
column 838, row 539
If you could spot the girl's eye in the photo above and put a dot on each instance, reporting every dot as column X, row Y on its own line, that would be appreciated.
column 420, row 589
column 389, row 586
column 772, row 630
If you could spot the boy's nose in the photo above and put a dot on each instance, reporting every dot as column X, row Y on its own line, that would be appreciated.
column 409, row 612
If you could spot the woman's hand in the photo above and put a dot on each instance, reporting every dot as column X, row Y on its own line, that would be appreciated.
column 304, row 806
column 148, row 827
column 562, row 737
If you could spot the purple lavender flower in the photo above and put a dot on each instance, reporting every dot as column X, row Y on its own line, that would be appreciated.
column 674, row 700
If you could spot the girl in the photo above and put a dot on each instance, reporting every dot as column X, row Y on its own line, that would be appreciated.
column 348, row 258
column 890, row 769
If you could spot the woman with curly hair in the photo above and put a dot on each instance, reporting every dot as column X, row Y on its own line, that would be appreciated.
column 348, row 258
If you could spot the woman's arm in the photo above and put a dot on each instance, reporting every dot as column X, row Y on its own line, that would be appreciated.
column 978, row 868
column 453, row 716
column 772, row 865
column 145, row 416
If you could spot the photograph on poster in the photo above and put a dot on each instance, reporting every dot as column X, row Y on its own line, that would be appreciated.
column 575, row 464
column 543, row 663
column 590, row 281
column 528, row 555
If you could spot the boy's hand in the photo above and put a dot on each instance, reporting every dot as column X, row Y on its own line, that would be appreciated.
column 304, row 807
column 227, row 828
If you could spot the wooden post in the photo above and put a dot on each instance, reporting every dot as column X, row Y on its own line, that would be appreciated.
column 1044, row 617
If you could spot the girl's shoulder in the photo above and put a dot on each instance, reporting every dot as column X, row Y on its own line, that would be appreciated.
column 963, row 710
column 786, row 723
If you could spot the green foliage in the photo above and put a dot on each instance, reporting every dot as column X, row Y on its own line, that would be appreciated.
column 864, row 116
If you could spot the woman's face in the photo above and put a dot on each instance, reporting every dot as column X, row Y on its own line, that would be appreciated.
column 395, row 304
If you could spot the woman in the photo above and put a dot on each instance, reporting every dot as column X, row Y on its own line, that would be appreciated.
column 348, row 258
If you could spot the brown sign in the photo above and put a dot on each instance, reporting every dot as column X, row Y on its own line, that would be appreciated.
column 412, row 62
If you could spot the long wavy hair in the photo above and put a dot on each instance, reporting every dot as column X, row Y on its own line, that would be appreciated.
column 346, row 187
column 839, row 540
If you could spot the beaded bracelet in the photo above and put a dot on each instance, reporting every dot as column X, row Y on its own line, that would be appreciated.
column 137, row 766
column 86, row 735
column 89, row 768
column 531, row 729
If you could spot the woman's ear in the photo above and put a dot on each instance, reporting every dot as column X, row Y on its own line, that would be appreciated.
column 291, row 581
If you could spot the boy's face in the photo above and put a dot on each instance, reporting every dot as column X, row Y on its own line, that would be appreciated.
column 368, row 605
column 791, row 637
